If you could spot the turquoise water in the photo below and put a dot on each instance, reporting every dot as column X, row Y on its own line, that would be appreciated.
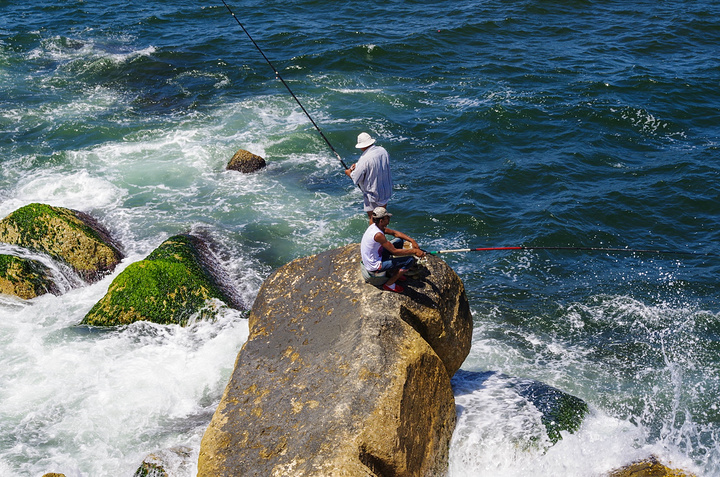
column 564, row 123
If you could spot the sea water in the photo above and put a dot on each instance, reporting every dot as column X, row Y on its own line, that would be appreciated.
column 570, row 123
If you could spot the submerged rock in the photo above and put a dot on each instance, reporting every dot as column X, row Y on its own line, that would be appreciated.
column 166, row 463
column 512, row 398
column 340, row 378
column 245, row 161
column 650, row 467
column 173, row 283
column 560, row 411
column 64, row 234
column 25, row 278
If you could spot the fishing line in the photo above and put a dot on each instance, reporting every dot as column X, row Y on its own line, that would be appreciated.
column 594, row 249
column 277, row 75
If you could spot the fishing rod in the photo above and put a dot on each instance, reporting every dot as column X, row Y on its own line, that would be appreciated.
column 594, row 249
column 277, row 75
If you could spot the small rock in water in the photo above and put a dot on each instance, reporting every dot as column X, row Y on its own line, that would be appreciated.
column 245, row 161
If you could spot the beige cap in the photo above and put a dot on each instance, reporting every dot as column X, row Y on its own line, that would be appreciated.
column 380, row 212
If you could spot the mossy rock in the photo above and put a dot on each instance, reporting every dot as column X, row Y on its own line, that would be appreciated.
column 169, row 286
column 167, row 462
column 560, row 411
column 245, row 161
column 65, row 235
column 148, row 469
column 25, row 278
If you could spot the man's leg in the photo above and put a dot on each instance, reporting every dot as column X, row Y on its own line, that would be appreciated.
column 396, row 267
column 387, row 256
column 396, row 275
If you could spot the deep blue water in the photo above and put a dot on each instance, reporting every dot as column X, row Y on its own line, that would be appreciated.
column 555, row 123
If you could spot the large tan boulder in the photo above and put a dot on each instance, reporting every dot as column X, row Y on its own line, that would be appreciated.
column 67, row 235
column 340, row 378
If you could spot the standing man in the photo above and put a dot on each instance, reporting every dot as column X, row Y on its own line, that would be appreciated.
column 372, row 174
column 379, row 254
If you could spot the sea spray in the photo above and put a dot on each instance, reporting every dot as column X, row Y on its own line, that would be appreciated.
column 114, row 394
column 568, row 124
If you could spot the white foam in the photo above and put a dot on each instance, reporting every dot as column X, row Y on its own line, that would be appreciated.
column 499, row 434
column 639, row 408
column 67, row 49
column 123, row 57
column 96, row 399
column 79, row 190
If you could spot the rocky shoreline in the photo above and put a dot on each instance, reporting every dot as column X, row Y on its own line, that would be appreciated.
column 336, row 378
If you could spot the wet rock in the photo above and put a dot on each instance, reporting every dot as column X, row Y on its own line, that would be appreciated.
column 245, row 161
column 557, row 410
column 65, row 235
column 173, row 462
column 560, row 411
column 650, row 467
column 25, row 278
column 176, row 281
column 340, row 378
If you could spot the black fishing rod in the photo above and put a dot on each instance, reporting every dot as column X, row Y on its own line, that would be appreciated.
column 594, row 249
column 277, row 75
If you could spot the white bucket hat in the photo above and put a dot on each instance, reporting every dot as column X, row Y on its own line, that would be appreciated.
column 364, row 140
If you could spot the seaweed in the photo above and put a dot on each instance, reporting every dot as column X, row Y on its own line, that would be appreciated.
column 168, row 287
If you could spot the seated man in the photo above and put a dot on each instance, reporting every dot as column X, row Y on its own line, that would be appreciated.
column 379, row 254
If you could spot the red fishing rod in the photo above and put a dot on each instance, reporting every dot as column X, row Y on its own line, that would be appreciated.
column 594, row 249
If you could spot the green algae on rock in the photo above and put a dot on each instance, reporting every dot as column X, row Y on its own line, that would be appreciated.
column 64, row 234
column 167, row 463
column 149, row 469
column 169, row 286
column 560, row 411
column 25, row 278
